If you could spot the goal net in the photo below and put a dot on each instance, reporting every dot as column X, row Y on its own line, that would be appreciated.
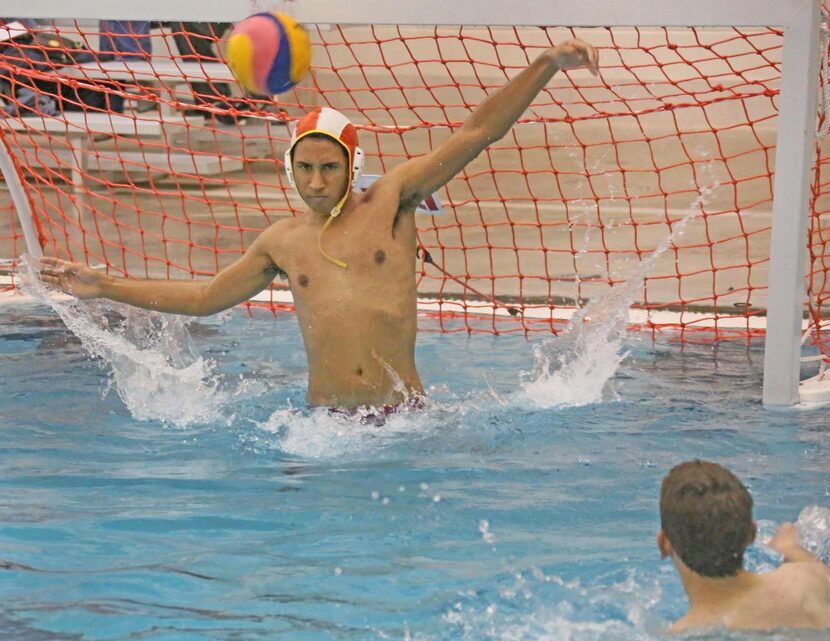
column 148, row 160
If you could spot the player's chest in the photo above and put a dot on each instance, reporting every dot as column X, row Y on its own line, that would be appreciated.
column 366, row 251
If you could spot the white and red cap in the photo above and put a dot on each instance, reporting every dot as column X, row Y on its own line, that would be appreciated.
column 331, row 123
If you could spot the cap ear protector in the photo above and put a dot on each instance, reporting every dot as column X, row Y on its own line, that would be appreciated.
column 356, row 160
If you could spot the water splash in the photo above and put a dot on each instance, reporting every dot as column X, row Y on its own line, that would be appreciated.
column 813, row 526
column 321, row 433
column 153, row 364
column 573, row 369
column 442, row 423
column 540, row 607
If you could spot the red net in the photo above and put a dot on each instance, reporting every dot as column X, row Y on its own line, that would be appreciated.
column 154, row 164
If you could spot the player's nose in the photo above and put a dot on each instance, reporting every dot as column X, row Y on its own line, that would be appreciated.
column 316, row 182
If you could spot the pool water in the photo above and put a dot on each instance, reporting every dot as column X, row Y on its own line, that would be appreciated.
column 142, row 503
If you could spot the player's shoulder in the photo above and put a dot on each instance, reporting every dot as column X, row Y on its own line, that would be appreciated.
column 385, row 195
column 815, row 568
column 801, row 577
column 279, row 229
column 386, row 185
column 803, row 593
column 277, row 238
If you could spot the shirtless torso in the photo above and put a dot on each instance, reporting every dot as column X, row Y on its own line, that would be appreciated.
column 795, row 595
column 358, row 324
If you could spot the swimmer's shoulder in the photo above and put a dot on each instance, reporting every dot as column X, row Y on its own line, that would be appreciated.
column 279, row 240
column 814, row 573
column 281, row 231
column 801, row 586
column 386, row 195
column 385, row 187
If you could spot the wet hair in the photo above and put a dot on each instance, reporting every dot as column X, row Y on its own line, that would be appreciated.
column 706, row 513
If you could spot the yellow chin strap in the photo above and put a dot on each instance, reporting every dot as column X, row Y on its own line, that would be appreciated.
column 335, row 212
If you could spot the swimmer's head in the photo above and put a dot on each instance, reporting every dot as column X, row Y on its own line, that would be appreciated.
column 706, row 515
column 331, row 124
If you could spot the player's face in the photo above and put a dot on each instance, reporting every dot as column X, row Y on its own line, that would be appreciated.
column 321, row 173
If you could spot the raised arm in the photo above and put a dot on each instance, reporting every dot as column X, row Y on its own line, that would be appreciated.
column 490, row 121
column 234, row 284
column 786, row 542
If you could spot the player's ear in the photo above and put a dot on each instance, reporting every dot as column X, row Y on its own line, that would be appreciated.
column 753, row 532
column 664, row 545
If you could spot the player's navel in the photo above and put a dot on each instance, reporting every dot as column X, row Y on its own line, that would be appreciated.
column 302, row 281
column 380, row 256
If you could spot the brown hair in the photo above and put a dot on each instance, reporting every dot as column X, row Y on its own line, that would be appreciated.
column 706, row 513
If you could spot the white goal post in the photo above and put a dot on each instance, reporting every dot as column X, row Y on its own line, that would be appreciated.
column 798, row 19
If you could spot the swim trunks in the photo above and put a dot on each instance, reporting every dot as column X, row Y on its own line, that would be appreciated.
column 371, row 415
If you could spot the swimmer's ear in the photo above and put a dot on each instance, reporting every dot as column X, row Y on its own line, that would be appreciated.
column 664, row 545
column 753, row 532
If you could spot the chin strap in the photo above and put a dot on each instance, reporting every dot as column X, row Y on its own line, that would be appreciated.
column 335, row 212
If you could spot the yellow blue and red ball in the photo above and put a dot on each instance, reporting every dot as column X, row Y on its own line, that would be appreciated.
column 269, row 53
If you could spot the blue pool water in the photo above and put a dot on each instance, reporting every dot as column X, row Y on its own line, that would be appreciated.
column 141, row 503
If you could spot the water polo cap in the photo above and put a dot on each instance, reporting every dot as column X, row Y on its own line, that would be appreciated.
column 336, row 126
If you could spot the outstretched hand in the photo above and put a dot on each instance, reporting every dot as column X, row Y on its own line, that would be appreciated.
column 785, row 538
column 576, row 54
column 73, row 278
